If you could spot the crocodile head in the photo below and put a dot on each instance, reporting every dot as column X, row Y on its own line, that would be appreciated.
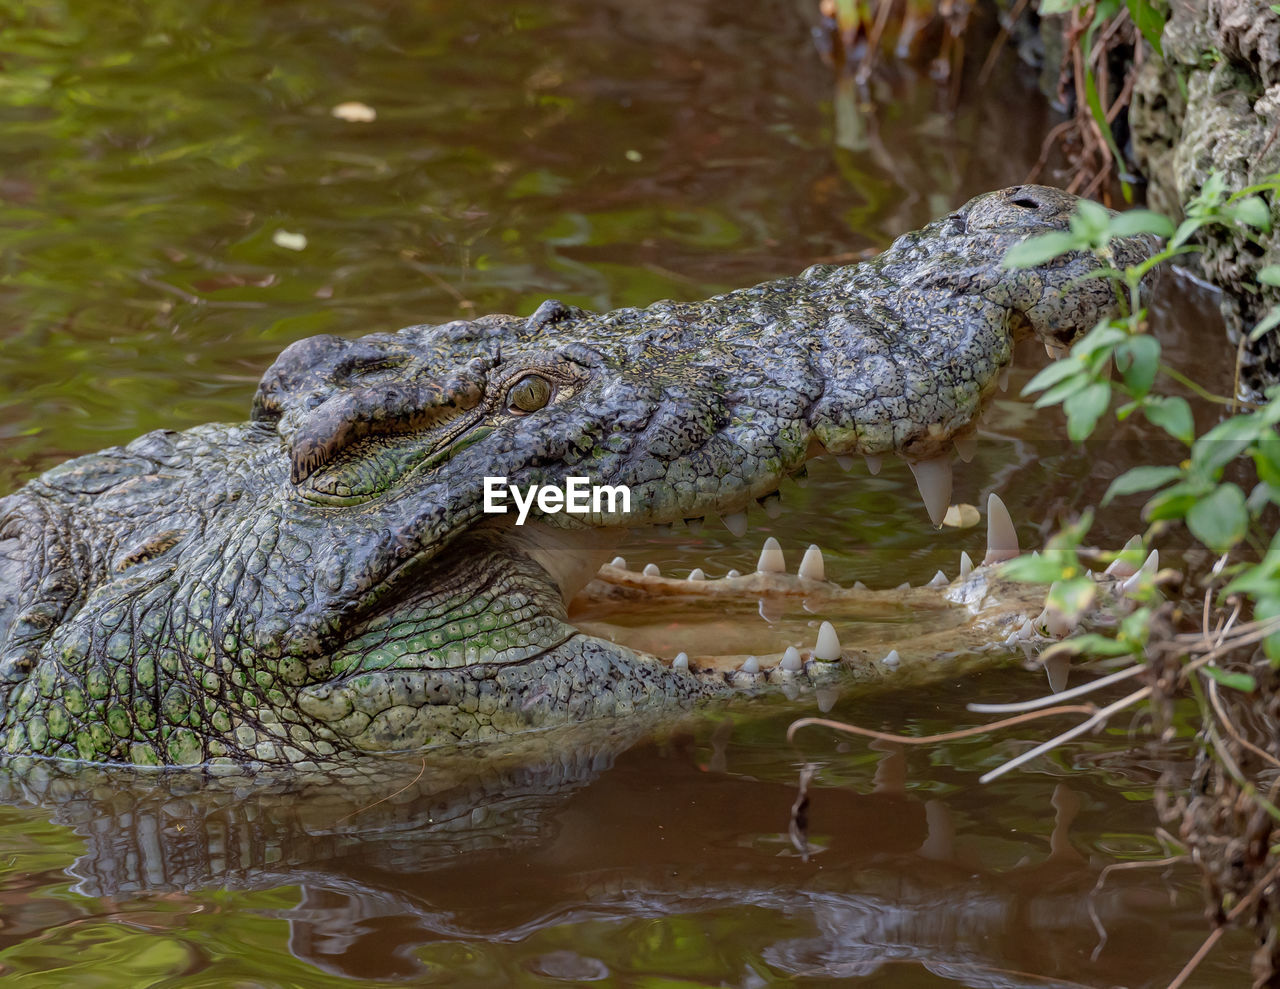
column 325, row 578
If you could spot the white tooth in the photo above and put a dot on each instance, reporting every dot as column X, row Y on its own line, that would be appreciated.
column 933, row 478
column 874, row 462
column 619, row 562
column 811, row 566
column 966, row 447
column 1004, row 378
column 827, row 647
column 904, row 586
column 1002, row 538
column 1052, row 621
column 939, row 580
column 1057, row 669
column 791, row 660
column 731, row 574
column 1123, row 568
column 771, row 560
column 697, row 574
column 826, row 698
column 772, row 506
column 651, row 570
column 893, row 659
column 750, row 665
column 1148, row 569
column 1054, row 349
column 681, row 662
column 846, row 463
column 859, row 585
column 966, row 565
column 735, row 522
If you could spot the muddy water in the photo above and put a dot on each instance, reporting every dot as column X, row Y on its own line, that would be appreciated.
column 179, row 203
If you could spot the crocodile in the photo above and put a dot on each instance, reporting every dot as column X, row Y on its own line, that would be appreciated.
column 323, row 581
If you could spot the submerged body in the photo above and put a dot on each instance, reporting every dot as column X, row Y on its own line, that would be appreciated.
column 323, row 581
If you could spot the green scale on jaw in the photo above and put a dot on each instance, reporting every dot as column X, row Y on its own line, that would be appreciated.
column 322, row 581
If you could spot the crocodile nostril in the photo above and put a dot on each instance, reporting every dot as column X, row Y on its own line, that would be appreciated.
column 1026, row 202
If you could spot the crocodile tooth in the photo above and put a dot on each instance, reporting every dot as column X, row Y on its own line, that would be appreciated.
column 1057, row 669
column 651, row 570
column 681, row 662
column 873, row 463
column 1055, row 350
column 772, row 505
column 731, row 574
column 1149, row 567
column 771, row 560
column 966, row 447
column 811, row 566
column 827, row 648
column 1123, row 568
column 859, row 585
column 750, row 665
column 1004, row 377
column 904, row 586
column 846, row 463
column 966, row 565
column 1002, row 538
column 697, row 574
column 791, row 661
column 939, row 580
column 735, row 522
column 933, row 478
column 619, row 562
column 892, row 660
column 826, row 698
column 695, row 525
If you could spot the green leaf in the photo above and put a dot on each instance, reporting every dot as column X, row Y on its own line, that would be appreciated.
column 1236, row 681
column 1270, row 275
column 1141, row 221
column 1084, row 408
column 1091, row 220
column 1138, row 359
column 1057, row 6
column 1251, row 211
column 1052, row 374
column 1173, row 415
column 1137, row 479
column 1269, row 322
column 1045, row 247
column 1224, row 442
column 1089, row 644
column 1220, row 519
column 1149, row 20
column 1104, row 336
column 1042, row 569
column 1072, row 598
column 1185, row 229
column 1063, row 389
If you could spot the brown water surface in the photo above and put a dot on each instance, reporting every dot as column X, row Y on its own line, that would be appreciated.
column 158, row 163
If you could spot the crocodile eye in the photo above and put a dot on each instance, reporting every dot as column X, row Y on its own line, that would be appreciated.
column 529, row 394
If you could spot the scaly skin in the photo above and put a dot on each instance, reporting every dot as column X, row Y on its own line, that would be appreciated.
column 321, row 581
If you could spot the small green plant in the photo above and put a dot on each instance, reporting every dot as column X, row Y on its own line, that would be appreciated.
column 1219, row 513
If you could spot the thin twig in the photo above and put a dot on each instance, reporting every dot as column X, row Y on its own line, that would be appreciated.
column 1216, row 935
column 1098, row 718
column 1048, row 699
column 948, row 736
column 361, row 810
column 1103, row 876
